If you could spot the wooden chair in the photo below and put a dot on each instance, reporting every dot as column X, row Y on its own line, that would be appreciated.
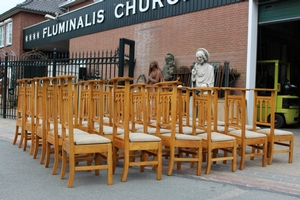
column 212, row 140
column 40, row 136
column 20, row 112
column 52, row 118
column 235, row 116
column 168, row 104
column 264, row 115
column 25, row 114
column 80, row 144
column 128, row 141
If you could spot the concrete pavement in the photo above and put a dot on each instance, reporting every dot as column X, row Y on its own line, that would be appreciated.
column 22, row 177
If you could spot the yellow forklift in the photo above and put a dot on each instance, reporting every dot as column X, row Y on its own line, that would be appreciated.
column 276, row 74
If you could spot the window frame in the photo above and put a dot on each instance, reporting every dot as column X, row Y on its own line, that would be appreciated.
column 2, row 35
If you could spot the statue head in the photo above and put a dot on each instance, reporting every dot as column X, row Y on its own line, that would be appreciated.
column 201, row 52
column 153, row 64
column 169, row 58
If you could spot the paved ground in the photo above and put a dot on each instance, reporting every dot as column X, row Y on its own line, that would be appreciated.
column 22, row 177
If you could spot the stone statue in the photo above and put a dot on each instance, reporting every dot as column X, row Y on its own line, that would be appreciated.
column 169, row 67
column 202, row 72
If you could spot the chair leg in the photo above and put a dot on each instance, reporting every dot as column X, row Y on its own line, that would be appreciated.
column 243, row 152
column 16, row 135
column 115, row 157
column 265, row 151
column 199, row 163
column 171, row 161
column 180, row 155
column 270, row 152
column 208, row 161
column 109, row 162
column 32, row 139
column 126, row 165
column 48, row 152
column 36, row 146
column 71, row 170
column 25, row 137
column 291, row 149
column 234, row 150
column 63, row 164
column 159, row 164
column 56, row 160
column 43, row 151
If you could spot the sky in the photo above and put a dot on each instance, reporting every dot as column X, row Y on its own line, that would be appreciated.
column 8, row 5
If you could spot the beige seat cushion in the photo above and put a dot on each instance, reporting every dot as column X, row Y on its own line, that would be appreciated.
column 222, row 128
column 277, row 132
column 152, row 130
column 90, row 139
column 217, row 137
column 189, row 130
column 141, row 137
column 108, row 130
column 248, row 134
column 179, row 136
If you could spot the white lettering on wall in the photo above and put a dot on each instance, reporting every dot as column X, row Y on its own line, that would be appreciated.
column 154, row 2
column 143, row 9
column 172, row 2
column 117, row 14
column 128, row 7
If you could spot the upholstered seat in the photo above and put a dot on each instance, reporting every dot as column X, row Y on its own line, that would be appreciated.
column 277, row 132
column 141, row 137
column 183, row 137
column 248, row 134
column 217, row 137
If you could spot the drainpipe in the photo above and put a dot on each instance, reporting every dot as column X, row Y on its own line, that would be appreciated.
column 251, row 55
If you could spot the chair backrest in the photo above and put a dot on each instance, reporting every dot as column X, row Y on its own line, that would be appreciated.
column 52, row 110
column 264, row 108
column 97, row 98
column 138, row 106
column 235, row 109
column 66, row 103
column 29, row 101
column 203, row 100
column 121, row 105
column 166, row 103
column 39, row 102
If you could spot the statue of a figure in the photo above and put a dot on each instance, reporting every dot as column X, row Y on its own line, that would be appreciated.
column 154, row 75
column 202, row 72
column 169, row 67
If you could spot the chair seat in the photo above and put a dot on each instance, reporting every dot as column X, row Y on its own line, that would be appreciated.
column 250, row 127
column 108, row 130
column 189, row 130
column 137, row 126
column 90, row 139
column 141, row 137
column 179, row 136
column 152, row 130
column 222, row 128
column 217, row 137
column 277, row 132
column 248, row 134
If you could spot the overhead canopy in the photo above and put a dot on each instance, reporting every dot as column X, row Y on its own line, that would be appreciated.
column 274, row 11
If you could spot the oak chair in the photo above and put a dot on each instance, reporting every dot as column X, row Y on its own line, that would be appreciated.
column 264, row 115
column 25, row 114
column 40, row 125
column 204, row 99
column 168, row 104
column 94, row 145
column 20, row 112
column 128, row 141
column 235, row 116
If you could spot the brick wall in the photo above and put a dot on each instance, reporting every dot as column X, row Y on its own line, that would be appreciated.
column 20, row 21
column 222, row 31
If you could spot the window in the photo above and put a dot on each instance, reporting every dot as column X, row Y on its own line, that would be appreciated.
column 9, row 33
column 1, row 36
